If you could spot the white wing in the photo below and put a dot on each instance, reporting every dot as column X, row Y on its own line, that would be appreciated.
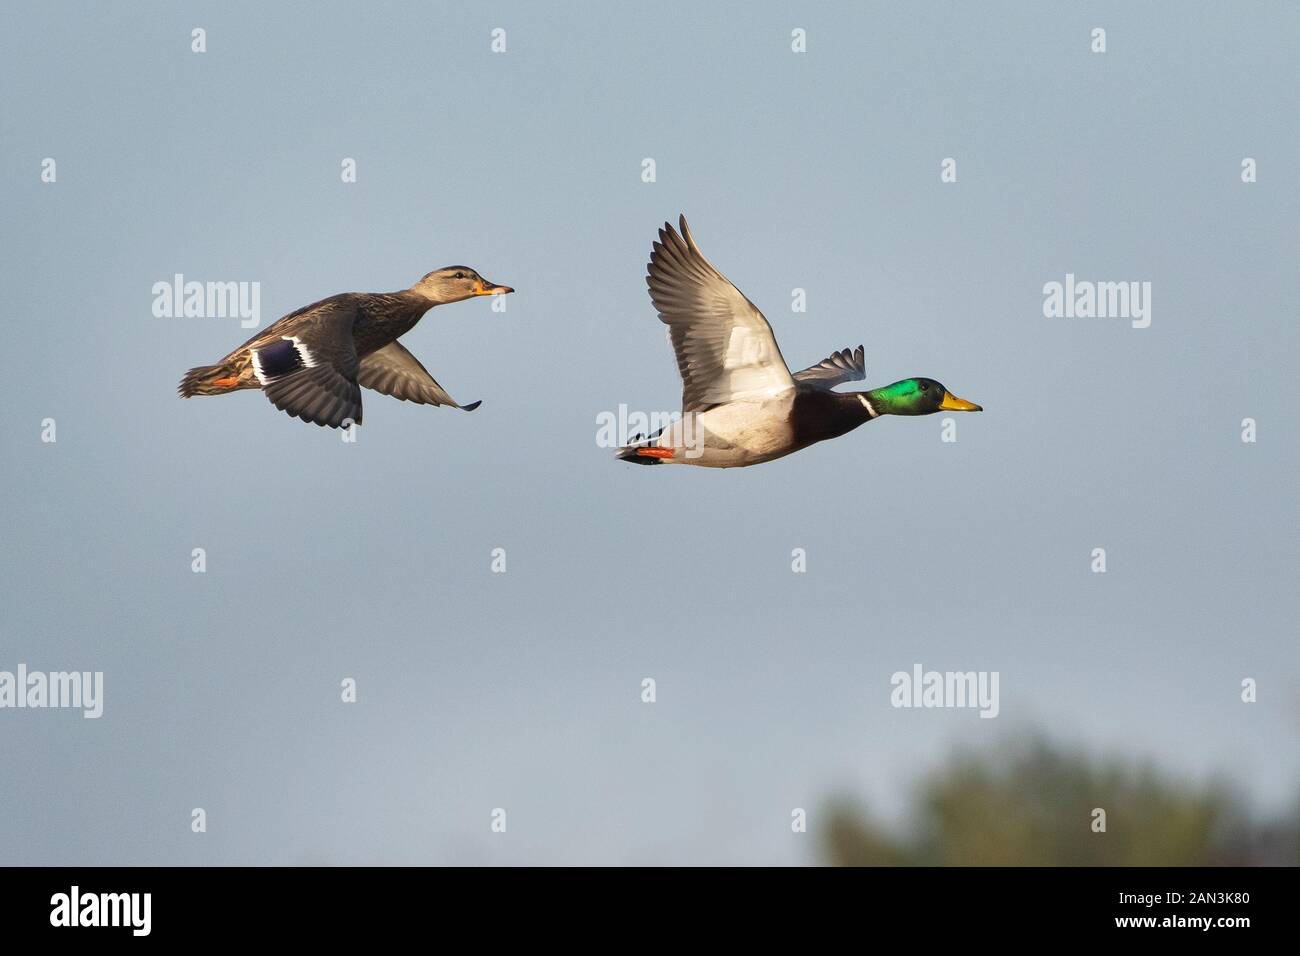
column 725, row 348
column 836, row 369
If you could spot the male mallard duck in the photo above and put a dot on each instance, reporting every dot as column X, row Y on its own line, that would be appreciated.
column 312, row 362
column 740, row 404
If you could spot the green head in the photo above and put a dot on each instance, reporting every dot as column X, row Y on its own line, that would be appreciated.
column 915, row 396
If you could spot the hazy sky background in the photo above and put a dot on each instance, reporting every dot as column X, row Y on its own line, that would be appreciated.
column 371, row 560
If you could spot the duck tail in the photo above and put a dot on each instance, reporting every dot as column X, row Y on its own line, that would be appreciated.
column 644, row 454
column 641, row 450
column 208, row 380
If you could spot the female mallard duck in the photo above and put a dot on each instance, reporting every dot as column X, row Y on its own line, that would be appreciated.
column 740, row 404
column 313, row 362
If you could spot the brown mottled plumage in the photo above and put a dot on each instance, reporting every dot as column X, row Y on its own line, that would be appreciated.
column 313, row 362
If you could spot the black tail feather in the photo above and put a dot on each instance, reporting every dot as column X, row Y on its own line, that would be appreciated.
column 629, row 453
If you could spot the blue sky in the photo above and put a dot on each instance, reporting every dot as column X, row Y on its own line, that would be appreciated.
column 521, row 690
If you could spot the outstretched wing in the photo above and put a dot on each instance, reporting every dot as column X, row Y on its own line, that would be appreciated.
column 396, row 372
column 309, row 369
column 725, row 348
column 836, row 369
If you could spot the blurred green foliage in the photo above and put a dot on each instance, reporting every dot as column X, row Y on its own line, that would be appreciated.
column 1032, row 805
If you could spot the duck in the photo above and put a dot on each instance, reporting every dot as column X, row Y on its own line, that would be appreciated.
column 741, row 405
column 313, row 362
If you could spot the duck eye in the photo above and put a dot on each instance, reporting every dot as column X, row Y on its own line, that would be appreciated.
column 460, row 275
column 925, row 386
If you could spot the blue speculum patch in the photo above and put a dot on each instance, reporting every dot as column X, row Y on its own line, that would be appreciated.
column 279, row 358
